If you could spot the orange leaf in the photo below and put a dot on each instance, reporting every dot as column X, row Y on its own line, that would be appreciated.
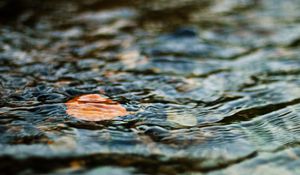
column 94, row 107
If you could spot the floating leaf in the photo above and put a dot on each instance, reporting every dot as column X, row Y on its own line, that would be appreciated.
column 94, row 107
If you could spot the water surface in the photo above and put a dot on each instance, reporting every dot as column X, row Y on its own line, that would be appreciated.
column 212, row 87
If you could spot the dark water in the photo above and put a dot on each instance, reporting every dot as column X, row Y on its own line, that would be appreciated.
column 213, row 86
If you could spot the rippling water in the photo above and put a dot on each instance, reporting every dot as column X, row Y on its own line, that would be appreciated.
column 212, row 87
